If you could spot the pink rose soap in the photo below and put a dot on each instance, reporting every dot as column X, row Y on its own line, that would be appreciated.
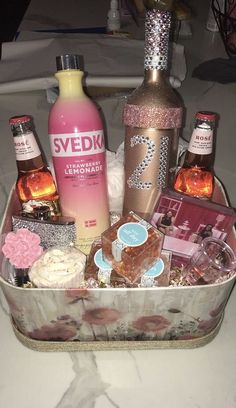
column 22, row 248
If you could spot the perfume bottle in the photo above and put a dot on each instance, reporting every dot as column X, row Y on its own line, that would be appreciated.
column 35, row 185
column 152, row 117
column 196, row 176
column 78, row 152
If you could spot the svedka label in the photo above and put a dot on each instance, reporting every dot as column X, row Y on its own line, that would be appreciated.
column 79, row 162
column 78, row 156
column 77, row 144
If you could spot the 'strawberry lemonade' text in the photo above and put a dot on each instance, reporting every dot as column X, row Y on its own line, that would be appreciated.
column 83, row 168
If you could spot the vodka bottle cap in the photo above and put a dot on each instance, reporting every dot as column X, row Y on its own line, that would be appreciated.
column 67, row 61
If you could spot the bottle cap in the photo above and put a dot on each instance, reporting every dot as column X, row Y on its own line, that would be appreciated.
column 204, row 115
column 114, row 5
column 68, row 61
column 16, row 120
column 42, row 212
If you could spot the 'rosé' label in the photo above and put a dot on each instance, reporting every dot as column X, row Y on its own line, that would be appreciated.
column 26, row 147
column 201, row 141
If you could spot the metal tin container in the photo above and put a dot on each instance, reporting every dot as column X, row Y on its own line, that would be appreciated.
column 126, row 317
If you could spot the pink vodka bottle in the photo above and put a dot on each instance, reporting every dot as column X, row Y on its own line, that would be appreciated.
column 78, row 152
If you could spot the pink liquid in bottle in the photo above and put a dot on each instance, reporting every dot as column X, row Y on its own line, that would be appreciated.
column 78, row 151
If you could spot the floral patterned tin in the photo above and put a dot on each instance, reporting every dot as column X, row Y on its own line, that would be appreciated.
column 116, row 314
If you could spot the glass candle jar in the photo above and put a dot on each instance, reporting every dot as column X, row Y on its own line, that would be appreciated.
column 214, row 259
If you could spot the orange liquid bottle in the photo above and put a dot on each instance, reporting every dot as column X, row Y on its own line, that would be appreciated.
column 196, row 176
column 35, row 185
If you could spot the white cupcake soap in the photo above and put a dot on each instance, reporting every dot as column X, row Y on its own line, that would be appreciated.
column 58, row 267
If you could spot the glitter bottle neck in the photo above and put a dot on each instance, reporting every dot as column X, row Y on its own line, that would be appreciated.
column 157, row 28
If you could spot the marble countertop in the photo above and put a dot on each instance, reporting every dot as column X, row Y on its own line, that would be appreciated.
column 190, row 378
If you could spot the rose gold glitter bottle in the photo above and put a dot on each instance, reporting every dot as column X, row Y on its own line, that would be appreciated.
column 152, row 117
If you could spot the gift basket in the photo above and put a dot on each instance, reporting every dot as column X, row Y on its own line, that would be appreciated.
column 117, row 317
column 135, row 296
column 143, row 257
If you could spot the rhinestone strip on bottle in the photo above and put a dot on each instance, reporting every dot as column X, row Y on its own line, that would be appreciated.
column 162, row 172
column 157, row 26
column 134, row 179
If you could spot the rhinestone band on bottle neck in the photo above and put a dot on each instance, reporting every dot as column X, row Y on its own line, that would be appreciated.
column 157, row 27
